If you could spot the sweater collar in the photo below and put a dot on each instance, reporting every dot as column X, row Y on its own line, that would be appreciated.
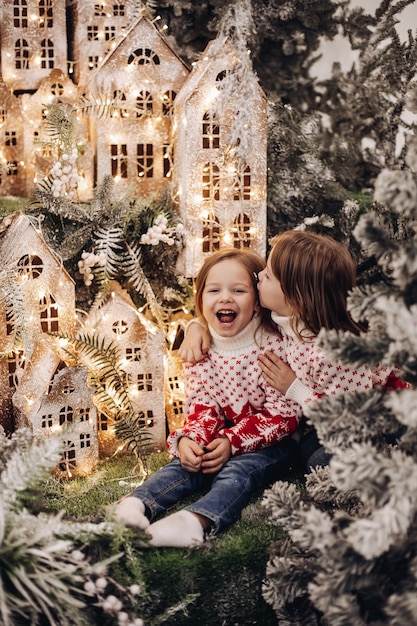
column 238, row 343
column 284, row 324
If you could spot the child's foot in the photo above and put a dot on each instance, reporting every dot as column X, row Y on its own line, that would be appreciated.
column 131, row 512
column 179, row 530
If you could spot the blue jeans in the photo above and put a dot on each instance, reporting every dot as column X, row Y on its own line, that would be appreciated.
column 227, row 492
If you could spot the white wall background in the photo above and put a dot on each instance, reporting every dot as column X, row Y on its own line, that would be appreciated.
column 339, row 49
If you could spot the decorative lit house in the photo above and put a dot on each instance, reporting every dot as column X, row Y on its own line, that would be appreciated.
column 141, row 347
column 47, row 304
column 139, row 80
column 33, row 36
column 56, row 88
column 12, row 166
column 220, row 146
column 69, row 405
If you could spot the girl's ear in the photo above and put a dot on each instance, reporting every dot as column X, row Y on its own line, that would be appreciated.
column 256, row 310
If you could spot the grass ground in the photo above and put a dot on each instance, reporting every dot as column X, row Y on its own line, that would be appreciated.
column 219, row 584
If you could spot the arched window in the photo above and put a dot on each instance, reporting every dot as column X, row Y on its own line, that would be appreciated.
column 46, row 14
column 66, row 415
column 49, row 314
column 144, row 103
column 211, row 182
column 168, row 103
column 211, row 233
column 119, row 100
column 57, row 89
column 220, row 78
column 211, row 131
column 142, row 56
column 145, row 160
column 21, row 54
column 30, row 265
column 20, row 14
column 47, row 54
column 242, row 184
column 241, row 231
column 118, row 160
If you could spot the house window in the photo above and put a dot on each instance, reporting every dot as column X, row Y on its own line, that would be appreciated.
column 242, row 185
column 92, row 33
column 93, row 62
column 143, row 56
column 211, row 131
column 118, row 9
column 10, row 137
column 119, row 98
column 211, row 234
column 15, row 363
column 68, row 462
column 67, row 389
column 120, row 327
column 30, row 265
column 46, row 14
column 211, row 181
column 99, row 10
column 178, row 407
column 133, row 354
column 12, row 169
column 102, row 422
column 47, row 421
column 168, row 103
column 167, row 151
column 3, row 115
column 145, row 160
column 47, row 54
column 21, row 54
column 85, row 440
column 144, row 102
column 84, row 414
column 145, row 382
column 241, row 231
column 48, row 309
column 66, row 415
column 119, row 160
column 220, row 78
column 57, row 89
column 20, row 14
column 109, row 33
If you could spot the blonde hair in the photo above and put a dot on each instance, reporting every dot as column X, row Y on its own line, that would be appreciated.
column 316, row 274
column 250, row 260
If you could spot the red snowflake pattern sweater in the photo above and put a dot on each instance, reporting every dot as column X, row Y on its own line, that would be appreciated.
column 316, row 375
column 227, row 396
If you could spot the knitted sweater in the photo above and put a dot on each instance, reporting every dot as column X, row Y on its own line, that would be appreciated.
column 227, row 396
column 316, row 375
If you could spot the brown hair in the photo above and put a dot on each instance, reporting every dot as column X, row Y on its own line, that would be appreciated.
column 316, row 274
column 250, row 260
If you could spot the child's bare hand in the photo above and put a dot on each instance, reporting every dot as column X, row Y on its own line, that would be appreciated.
column 217, row 454
column 277, row 373
column 191, row 455
column 195, row 344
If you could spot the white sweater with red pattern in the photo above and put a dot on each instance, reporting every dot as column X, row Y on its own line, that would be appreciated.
column 227, row 396
column 316, row 375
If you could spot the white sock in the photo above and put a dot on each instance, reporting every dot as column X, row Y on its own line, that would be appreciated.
column 131, row 512
column 179, row 530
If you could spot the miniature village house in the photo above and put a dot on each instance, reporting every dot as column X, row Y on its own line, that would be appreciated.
column 69, row 406
column 139, row 80
column 47, row 304
column 33, row 41
column 141, row 346
column 220, row 143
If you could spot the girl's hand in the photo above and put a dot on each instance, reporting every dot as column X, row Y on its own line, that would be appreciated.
column 217, row 454
column 277, row 373
column 191, row 455
column 195, row 345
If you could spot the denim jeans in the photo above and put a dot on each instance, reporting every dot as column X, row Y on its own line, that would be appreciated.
column 226, row 493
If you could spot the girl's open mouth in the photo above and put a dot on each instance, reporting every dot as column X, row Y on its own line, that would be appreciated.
column 226, row 317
